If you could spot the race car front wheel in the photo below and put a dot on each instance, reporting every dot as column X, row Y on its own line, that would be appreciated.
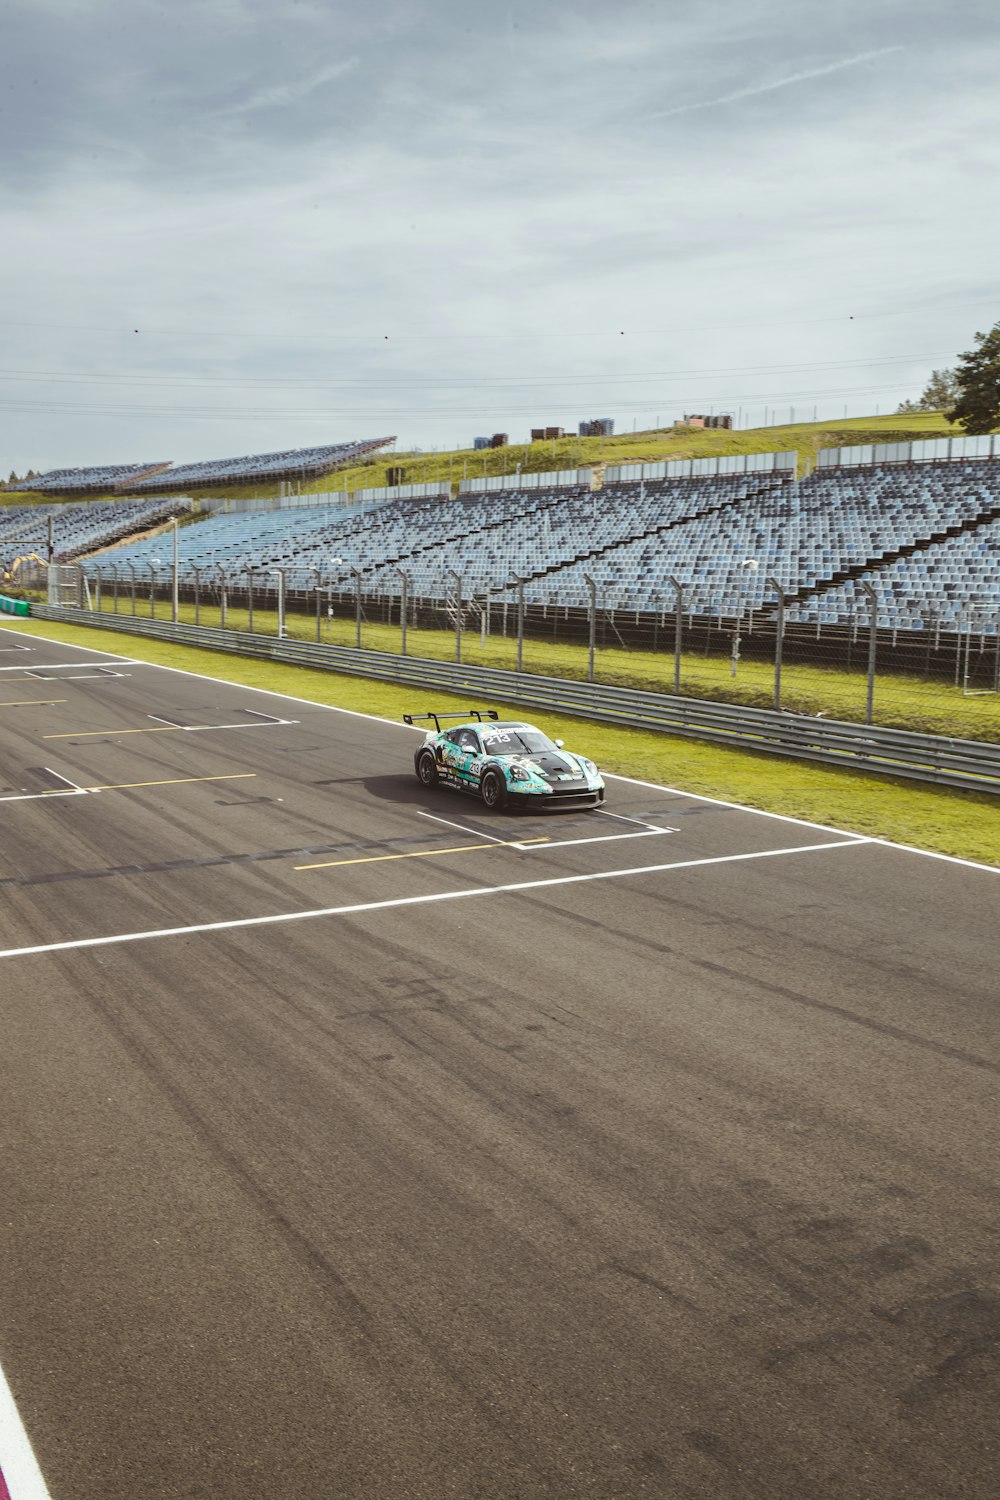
column 426, row 768
column 491, row 789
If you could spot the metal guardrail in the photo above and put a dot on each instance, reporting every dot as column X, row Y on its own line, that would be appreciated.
column 971, row 765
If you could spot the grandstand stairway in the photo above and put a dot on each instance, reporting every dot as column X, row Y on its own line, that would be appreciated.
column 696, row 514
column 458, row 536
column 883, row 560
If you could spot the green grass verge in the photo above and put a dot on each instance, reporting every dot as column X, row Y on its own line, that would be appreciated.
column 957, row 823
column 934, row 706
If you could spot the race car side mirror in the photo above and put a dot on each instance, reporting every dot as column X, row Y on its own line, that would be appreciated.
column 559, row 744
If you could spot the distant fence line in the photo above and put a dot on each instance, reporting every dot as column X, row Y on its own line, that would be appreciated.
column 929, row 450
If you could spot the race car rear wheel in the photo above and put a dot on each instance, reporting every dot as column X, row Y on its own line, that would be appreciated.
column 492, row 790
column 426, row 768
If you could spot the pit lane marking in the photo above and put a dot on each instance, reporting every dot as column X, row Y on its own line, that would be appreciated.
column 374, row 859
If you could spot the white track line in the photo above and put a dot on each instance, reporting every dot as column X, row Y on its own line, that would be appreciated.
column 64, row 666
column 639, row 822
column 353, row 713
column 475, row 831
column 601, row 838
column 366, row 906
column 60, row 777
column 18, row 1465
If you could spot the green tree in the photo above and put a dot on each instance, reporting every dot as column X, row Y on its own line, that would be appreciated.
column 940, row 392
column 978, row 406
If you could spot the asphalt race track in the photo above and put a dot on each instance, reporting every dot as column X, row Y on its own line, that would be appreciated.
column 391, row 1149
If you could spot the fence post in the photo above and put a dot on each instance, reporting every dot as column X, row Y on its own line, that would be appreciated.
column 996, row 658
column 223, row 601
column 779, row 639
column 872, row 598
column 404, row 604
column 152, row 585
column 97, row 589
column 678, row 589
column 114, row 576
column 591, row 625
column 196, row 570
column 250, row 572
column 357, row 608
column 458, row 612
column 131, row 568
column 319, row 631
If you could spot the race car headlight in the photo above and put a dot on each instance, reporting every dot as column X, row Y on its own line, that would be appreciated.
column 588, row 765
column 518, row 773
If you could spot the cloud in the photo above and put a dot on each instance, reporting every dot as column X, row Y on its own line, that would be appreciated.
column 280, row 95
column 780, row 83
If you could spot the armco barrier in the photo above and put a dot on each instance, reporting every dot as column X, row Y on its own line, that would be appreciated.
column 14, row 606
column 971, row 765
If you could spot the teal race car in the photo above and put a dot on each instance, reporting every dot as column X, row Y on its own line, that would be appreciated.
column 505, row 762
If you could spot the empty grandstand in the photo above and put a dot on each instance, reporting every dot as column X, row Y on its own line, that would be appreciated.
column 160, row 478
column 924, row 533
column 77, row 530
column 106, row 479
column 291, row 464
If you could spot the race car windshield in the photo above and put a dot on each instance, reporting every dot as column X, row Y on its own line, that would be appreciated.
column 505, row 740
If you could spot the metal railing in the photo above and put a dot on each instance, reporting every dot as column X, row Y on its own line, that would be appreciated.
column 970, row 765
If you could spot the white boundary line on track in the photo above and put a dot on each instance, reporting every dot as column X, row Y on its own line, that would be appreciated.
column 18, row 1464
column 953, row 859
column 428, row 900
column 65, row 666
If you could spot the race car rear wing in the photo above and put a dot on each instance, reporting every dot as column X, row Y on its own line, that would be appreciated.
column 472, row 713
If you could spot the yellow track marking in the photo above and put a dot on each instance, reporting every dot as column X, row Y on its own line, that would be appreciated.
column 374, row 859
column 24, row 702
column 83, row 734
column 124, row 786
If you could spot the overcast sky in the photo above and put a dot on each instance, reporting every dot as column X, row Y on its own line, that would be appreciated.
column 233, row 226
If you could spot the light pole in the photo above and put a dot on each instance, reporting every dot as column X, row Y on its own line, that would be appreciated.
column 250, row 572
column 319, row 600
column 281, row 601
column 222, row 596
column 174, row 596
column 357, row 607
column 753, row 565
column 404, row 605
column 458, row 611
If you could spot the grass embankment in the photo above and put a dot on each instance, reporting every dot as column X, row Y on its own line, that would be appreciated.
column 652, row 446
column 931, row 707
column 956, row 823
